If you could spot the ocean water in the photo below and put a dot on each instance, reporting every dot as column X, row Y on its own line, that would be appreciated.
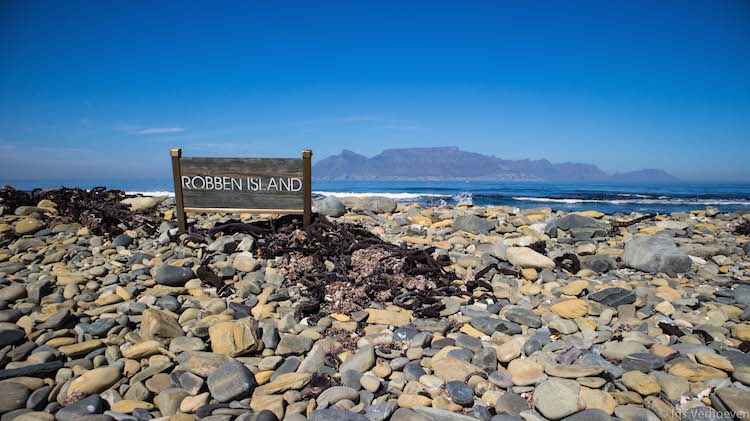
column 607, row 198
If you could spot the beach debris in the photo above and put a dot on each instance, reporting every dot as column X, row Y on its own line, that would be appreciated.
column 616, row 225
column 98, row 209
column 743, row 228
column 343, row 267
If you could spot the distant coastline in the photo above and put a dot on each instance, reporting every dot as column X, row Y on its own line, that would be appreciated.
column 453, row 164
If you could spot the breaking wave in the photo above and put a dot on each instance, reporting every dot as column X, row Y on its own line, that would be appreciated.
column 394, row 196
column 151, row 193
column 637, row 200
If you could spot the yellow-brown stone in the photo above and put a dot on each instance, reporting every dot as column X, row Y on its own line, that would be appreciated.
column 570, row 309
column 695, row 372
column 385, row 317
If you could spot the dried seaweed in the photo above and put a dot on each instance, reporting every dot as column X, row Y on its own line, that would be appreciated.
column 98, row 209
column 348, row 340
column 208, row 277
column 342, row 268
column 499, row 269
column 671, row 330
column 569, row 262
column 707, row 338
column 317, row 385
column 539, row 247
column 616, row 225
column 743, row 228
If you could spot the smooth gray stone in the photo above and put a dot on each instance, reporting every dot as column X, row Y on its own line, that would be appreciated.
column 642, row 362
column 613, row 297
column 123, row 240
column 488, row 326
column 93, row 404
column 403, row 414
column 460, row 393
column 599, row 263
column 413, row 371
column 330, row 206
column 436, row 414
column 523, row 316
column 511, row 404
column 289, row 365
column 294, row 345
column 13, row 396
column 231, row 381
column 611, row 371
column 361, row 361
column 38, row 399
column 10, row 333
column 571, row 221
column 173, row 276
column 656, row 254
column 486, row 359
column 635, row 413
column 336, row 393
column 589, row 415
column 381, row 411
column 473, row 224
column 701, row 413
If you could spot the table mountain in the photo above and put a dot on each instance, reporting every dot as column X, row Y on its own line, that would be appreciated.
column 451, row 163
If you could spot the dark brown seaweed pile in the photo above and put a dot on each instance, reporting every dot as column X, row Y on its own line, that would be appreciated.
column 98, row 209
column 743, row 228
column 342, row 268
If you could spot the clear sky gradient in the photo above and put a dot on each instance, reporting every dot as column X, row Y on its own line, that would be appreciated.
column 101, row 90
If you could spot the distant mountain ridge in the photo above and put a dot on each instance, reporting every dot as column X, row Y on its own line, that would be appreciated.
column 451, row 163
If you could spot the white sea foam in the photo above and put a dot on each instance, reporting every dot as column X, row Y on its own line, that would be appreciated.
column 627, row 199
column 395, row 196
column 464, row 197
column 662, row 200
column 151, row 193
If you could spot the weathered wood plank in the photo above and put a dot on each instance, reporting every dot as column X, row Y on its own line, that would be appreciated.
column 307, row 186
column 242, row 199
column 176, row 154
column 243, row 192
column 246, row 167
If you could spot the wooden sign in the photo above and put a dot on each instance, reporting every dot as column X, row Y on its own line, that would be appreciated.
column 242, row 185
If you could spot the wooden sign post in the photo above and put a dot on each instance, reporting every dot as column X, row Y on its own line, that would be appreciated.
column 242, row 185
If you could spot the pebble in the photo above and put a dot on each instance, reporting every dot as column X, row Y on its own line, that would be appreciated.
column 123, row 325
column 460, row 393
column 641, row 383
column 13, row 396
column 173, row 276
column 558, row 398
column 231, row 381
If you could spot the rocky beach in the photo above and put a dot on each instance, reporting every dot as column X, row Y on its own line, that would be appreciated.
column 378, row 311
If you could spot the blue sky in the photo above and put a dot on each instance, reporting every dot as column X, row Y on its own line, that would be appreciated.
column 102, row 90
